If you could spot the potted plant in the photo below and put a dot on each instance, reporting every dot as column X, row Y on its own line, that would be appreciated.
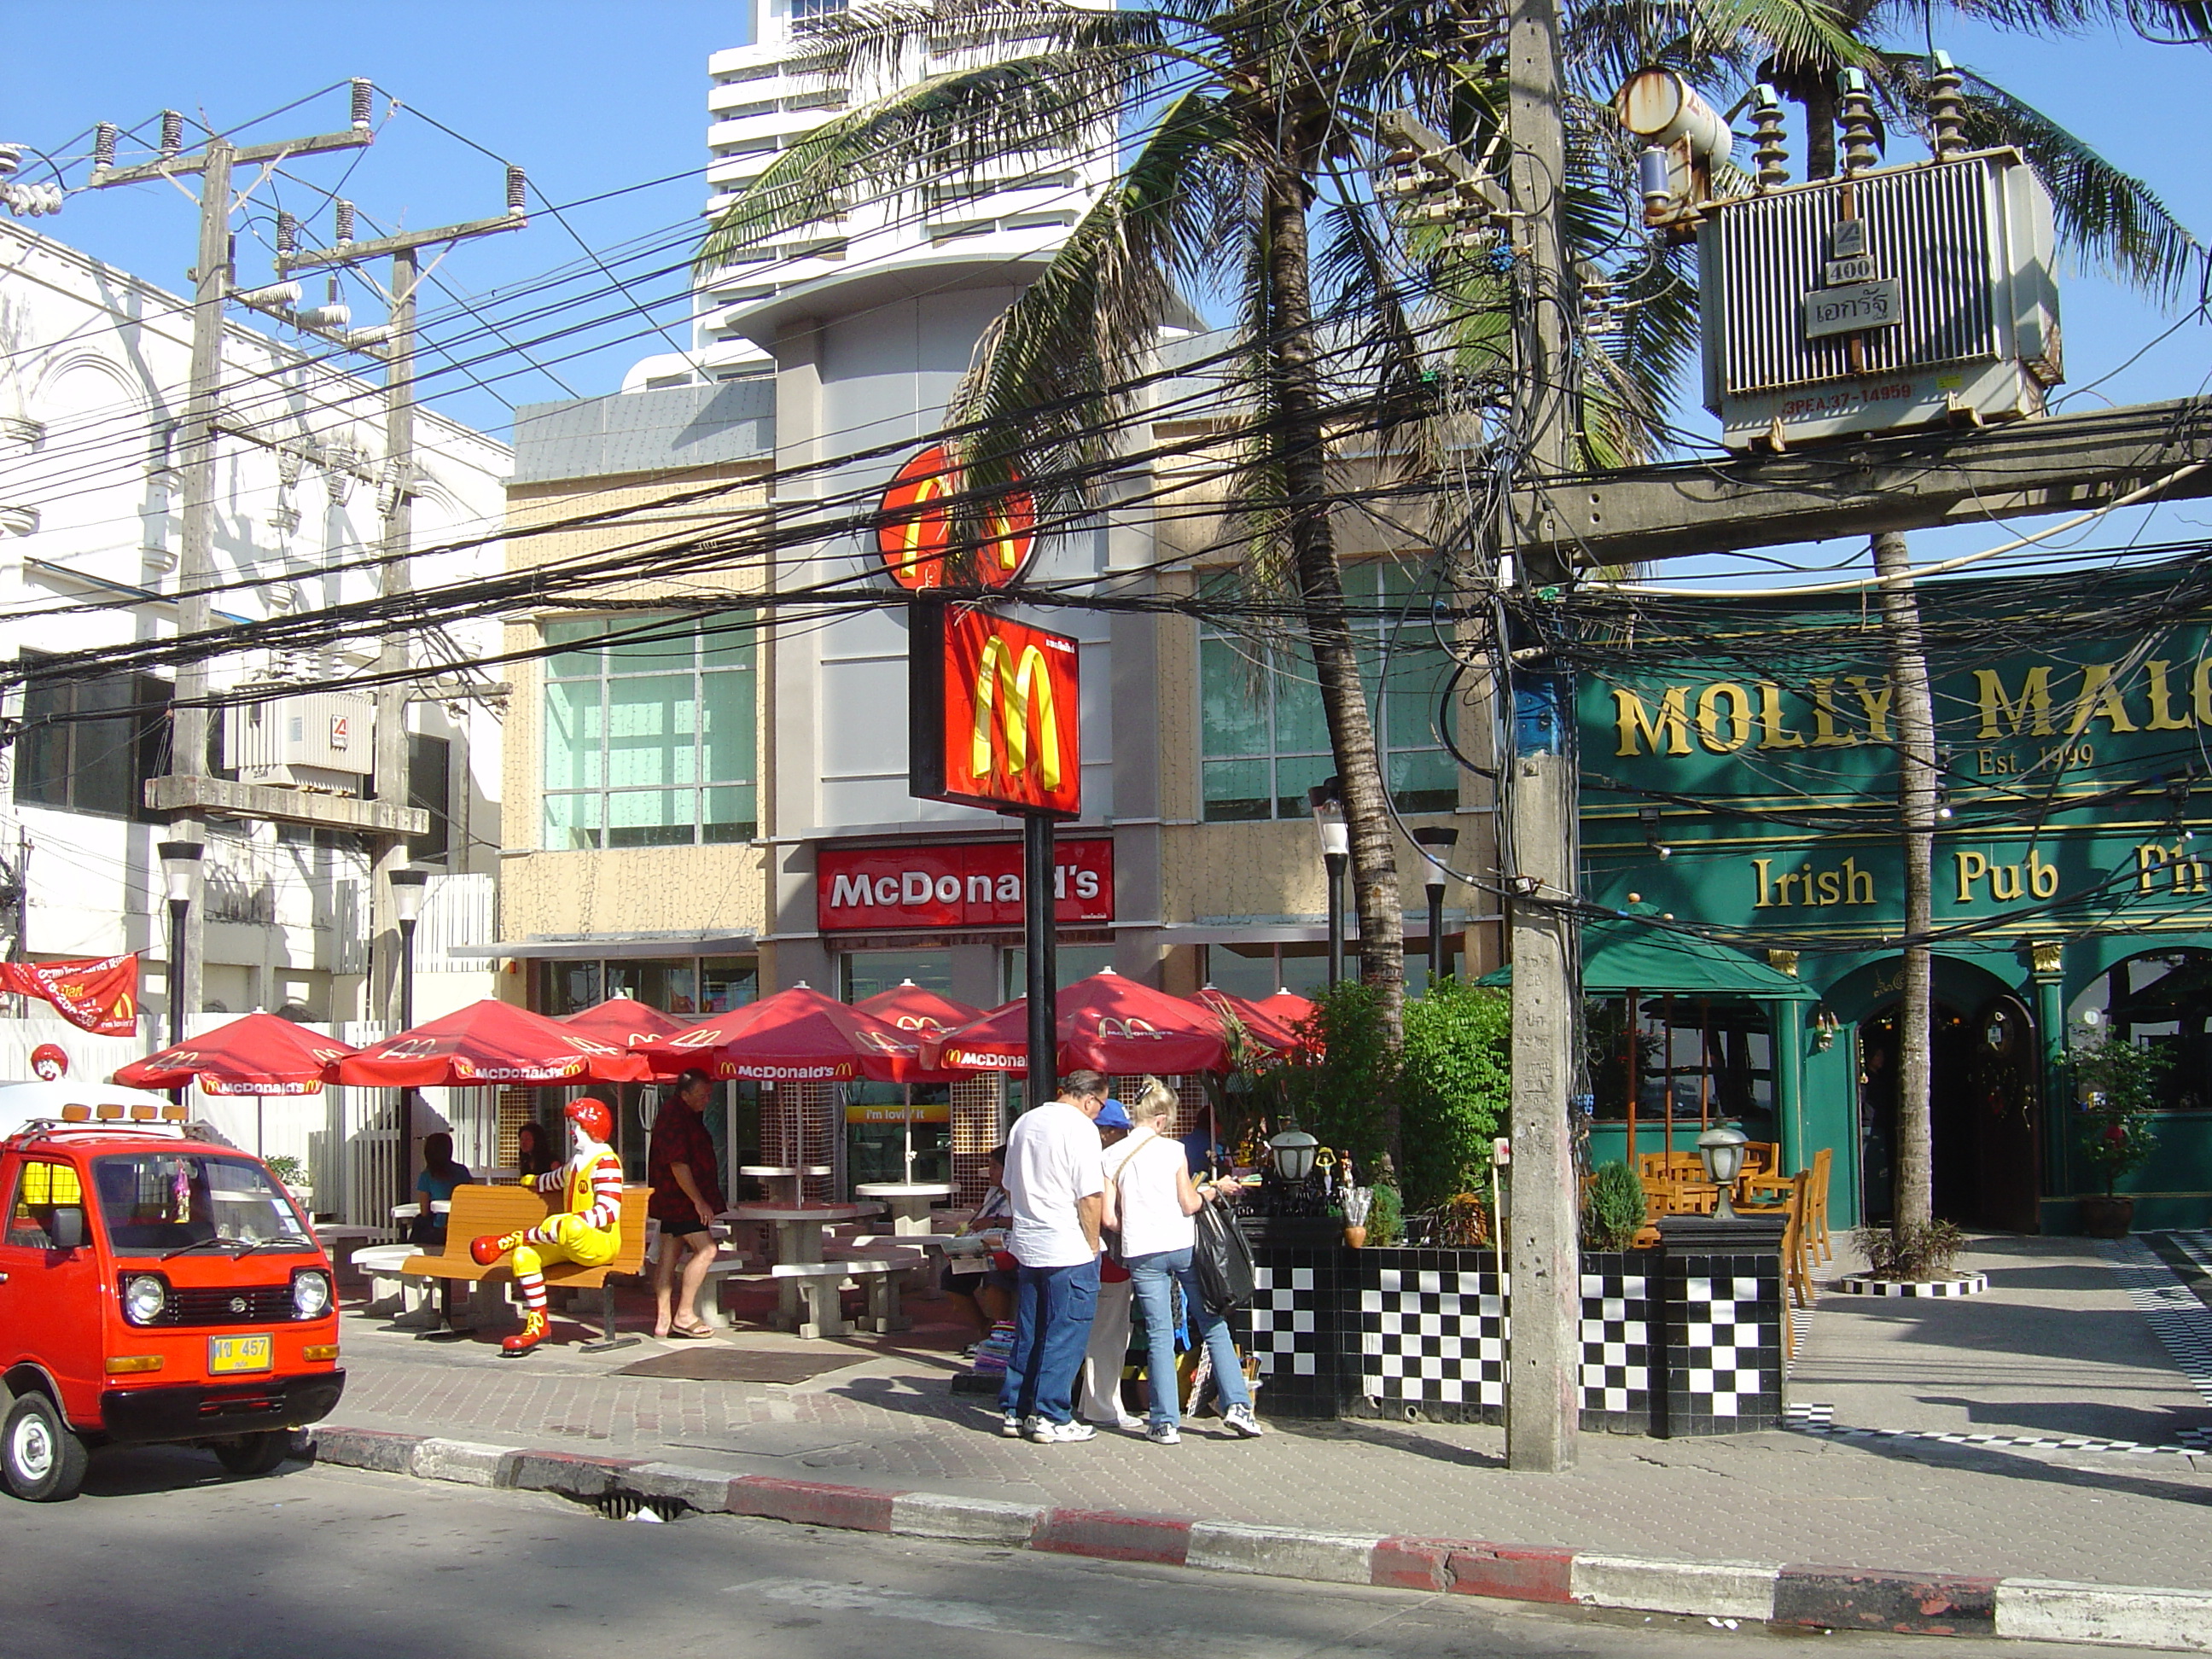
column 293, row 1175
column 1612, row 1208
column 2116, row 1085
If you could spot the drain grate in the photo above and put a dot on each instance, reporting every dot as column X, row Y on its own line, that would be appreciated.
column 628, row 1505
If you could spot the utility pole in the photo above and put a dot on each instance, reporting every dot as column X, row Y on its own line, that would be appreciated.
column 396, row 347
column 211, row 288
column 1542, row 1248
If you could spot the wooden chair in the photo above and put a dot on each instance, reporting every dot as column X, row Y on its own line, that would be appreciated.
column 1816, row 1215
column 479, row 1209
column 1761, row 1156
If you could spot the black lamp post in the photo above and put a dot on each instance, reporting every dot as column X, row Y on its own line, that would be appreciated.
column 1438, row 841
column 407, row 894
column 1327, row 803
column 180, row 868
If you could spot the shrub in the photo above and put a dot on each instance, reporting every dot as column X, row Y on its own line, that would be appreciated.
column 1386, row 1216
column 1455, row 1087
column 286, row 1169
column 1338, row 1086
column 1911, row 1253
column 2118, row 1082
column 1463, row 1222
column 1612, row 1208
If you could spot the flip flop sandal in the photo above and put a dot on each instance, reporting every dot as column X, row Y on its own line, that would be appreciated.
column 685, row 1334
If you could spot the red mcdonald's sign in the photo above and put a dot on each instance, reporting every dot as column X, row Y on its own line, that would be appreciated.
column 995, row 720
column 915, row 534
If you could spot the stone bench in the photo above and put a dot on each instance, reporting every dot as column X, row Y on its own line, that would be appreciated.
column 818, row 1283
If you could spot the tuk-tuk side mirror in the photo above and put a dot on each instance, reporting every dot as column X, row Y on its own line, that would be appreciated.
column 66, row 1228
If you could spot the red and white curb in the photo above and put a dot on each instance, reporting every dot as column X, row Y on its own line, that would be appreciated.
column 1825, row 1598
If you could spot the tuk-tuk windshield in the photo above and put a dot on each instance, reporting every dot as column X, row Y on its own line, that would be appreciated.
column 157, row 1202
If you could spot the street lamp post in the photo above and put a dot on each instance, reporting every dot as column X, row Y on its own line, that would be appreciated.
column 407, row 893
column 1328, row 807
column 180, row 868
column 1438, row 841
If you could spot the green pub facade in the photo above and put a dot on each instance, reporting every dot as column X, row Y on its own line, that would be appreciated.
column 1740, row 776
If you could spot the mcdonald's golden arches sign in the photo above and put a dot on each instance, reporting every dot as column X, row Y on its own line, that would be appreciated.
column 914, row 534
column 994, row 714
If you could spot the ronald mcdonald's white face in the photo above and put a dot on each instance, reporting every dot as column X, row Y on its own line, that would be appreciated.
column 581, row 1146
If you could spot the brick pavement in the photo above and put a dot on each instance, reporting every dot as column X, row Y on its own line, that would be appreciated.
column 889, row 1421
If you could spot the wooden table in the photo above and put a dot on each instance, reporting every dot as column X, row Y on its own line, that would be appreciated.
column 909, row 1202
column 798, row 1229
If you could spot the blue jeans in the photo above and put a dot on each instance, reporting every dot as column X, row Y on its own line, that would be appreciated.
column 1149, row 1277
column 1052, row 1329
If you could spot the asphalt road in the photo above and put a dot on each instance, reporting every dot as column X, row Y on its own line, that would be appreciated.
column 165, row 1557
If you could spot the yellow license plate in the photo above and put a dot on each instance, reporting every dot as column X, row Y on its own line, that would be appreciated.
column 228, row 1354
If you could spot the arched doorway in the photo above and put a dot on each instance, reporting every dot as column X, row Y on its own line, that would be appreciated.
column 1984, row 1101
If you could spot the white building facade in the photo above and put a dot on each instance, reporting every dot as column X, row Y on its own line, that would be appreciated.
column 94, row 367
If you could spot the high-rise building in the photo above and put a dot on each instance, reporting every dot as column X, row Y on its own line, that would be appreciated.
column 764, row 97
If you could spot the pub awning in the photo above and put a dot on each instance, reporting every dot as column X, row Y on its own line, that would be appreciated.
column 1627, row 953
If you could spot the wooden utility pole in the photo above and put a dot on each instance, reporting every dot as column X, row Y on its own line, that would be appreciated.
column 214, row 162
column 1543, row 1359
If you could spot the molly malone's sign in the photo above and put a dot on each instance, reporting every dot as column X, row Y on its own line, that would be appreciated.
column 955, row 888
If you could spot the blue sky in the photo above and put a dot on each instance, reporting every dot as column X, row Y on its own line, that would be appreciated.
column 593, row 98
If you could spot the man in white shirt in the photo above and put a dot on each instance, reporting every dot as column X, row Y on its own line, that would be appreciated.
column 1056, row 1183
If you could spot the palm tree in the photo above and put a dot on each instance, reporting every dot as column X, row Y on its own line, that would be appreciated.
column 1253, row 124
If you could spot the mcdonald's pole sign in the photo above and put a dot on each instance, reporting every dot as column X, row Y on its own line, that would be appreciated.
column 994, row 714
column 914, row 533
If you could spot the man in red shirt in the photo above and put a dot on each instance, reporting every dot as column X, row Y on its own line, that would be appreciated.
column 687, row 1194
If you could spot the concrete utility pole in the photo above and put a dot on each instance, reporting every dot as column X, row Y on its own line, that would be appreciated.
column 396, row 347
column 1543, row 1359
column 211, row 288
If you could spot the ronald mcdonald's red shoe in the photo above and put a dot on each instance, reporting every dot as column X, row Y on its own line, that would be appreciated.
column 486, row 1249
column 532, row 1334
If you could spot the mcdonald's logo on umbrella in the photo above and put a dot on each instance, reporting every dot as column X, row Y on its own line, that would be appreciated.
column 915, row 533
column 995, row 710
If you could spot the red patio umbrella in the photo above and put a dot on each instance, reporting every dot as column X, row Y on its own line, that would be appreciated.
column 486, row 1042
column 1107, row 1022
column 623, row 1021
column 1264, row 1028
column 797, row 1035
column 1287, row 1007
column 910, row 1008
column 259, row 1054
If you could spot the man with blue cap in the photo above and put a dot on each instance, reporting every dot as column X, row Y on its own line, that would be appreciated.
column 1109, row 1325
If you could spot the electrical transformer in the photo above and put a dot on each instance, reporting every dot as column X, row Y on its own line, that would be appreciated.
column 1894, row 298
column 317, row 740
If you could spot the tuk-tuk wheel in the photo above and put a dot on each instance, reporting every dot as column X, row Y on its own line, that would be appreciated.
column 42, row 1459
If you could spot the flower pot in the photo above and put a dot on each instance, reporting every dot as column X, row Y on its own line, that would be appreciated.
column 2107, row 1217
column 1355, row 1238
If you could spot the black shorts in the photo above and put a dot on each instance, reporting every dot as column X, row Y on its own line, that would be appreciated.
column 681, row 1229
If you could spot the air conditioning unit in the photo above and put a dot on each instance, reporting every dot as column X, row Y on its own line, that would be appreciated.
column 319, row 740
column 1901, row 297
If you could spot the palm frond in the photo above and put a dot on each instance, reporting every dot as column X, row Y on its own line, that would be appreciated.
column 955, row 125
column 2112, row 218
column 882, row 42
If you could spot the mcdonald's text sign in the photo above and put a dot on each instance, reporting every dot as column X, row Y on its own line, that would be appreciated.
column 994, row 714
column 978, row 885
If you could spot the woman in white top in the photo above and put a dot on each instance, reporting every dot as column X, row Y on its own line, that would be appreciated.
column 1152, row 1199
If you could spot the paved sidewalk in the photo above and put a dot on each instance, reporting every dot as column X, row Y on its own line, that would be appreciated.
column 2057, row 1350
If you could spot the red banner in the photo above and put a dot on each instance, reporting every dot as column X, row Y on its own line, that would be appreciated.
column 97, row 995
column 994, row 714
column 955, row 888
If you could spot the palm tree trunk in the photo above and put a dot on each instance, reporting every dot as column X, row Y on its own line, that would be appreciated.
column 1916, row 802
column 1320, row 591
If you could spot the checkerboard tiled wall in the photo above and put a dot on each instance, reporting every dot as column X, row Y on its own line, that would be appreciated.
column 1689, row 1345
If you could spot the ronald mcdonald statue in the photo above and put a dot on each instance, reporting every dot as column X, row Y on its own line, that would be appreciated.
column 586, row 1230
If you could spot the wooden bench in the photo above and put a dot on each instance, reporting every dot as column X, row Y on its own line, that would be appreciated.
column 479, row 1209
column 817, row 1282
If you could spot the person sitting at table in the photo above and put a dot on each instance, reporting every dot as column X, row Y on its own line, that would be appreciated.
column 441, row 1173
column 534, row 1153
column 989, row 1295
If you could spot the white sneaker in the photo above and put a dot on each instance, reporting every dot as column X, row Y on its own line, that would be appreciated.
column 1129, row 1424
column 1164, row 1434
column 1059, row 1434
column 1011, row 1426
column 1239, row 1419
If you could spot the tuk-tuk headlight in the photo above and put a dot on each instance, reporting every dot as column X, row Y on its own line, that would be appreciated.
column 311, row 1293
column 145, row 1297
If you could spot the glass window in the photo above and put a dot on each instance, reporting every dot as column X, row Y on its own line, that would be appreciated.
column 163, row 1201
column 727, row 982
column 636, row 725
column 2161, row 1001
column 1698, row 1059
column 88, row 746
column 1264, row 734
column 41, row 1189
column 1070, row 962
column 863, row 974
